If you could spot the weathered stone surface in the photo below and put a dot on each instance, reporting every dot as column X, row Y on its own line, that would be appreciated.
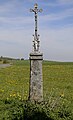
column 36, row 80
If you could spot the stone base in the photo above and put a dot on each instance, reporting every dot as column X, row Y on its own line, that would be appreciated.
column 36, row 81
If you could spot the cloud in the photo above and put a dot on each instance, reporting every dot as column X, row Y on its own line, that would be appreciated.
column 65, row 1
column 23, row 20
column 14, row 15
column 13, row 8
column 57, row 44
column 58, row 3
column 15, row 43
column 17, row 27
column 57, row 16
column 6, row 7
column 16, row 20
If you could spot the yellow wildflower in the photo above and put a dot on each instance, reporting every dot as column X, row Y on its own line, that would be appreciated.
column 14, row 95
column 10, row 95
column 7, row 98
column 62, row 95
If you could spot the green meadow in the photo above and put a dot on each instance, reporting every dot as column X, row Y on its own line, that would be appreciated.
column 57, row 84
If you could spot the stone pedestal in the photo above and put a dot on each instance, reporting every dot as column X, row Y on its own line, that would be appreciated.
column 36, row 81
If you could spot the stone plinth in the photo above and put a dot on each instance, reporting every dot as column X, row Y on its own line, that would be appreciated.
column 36, row 81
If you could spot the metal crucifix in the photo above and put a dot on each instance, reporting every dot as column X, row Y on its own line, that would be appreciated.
column 36, row 36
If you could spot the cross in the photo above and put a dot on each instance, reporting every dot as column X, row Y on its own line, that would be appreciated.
column 36, row 36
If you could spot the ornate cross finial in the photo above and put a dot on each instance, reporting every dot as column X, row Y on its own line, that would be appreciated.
column 36, row 36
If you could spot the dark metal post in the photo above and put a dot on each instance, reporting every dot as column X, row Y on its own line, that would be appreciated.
column 36, row 24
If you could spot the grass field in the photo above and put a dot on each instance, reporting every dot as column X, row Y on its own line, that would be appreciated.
column 57, row 82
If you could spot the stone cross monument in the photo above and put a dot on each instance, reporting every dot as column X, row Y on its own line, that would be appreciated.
column 36, row 81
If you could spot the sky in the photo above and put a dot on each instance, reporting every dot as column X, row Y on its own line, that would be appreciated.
column 55, row 26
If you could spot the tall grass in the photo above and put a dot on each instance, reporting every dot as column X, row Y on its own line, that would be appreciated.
column 57, row 84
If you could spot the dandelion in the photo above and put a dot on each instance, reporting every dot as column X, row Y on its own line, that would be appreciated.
column 7, row 98
column 24, row 97
column 25, row 91
column 10, row 95
column 62, row 95
column 2, row 90
column 19, row 98
column 14, row 95
column 18, row 94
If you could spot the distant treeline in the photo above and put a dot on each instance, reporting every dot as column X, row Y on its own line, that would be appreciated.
column 7, row 58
